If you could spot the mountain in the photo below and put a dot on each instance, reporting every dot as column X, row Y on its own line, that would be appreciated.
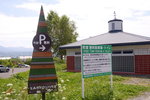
column 15, row 51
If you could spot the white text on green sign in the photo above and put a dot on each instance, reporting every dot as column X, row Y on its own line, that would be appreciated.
column 96, row 60
column 96, row 48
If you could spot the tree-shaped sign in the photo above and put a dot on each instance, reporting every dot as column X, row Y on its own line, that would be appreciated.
column 42, row 76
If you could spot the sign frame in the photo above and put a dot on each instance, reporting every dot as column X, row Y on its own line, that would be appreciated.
column 93, row 53
column 99, row 74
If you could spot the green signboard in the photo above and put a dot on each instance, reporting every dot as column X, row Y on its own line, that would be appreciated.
column 96, row 60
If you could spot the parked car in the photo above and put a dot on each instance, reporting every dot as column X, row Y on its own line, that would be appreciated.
column 26, row 66
column 23, row 65
column 4, row 69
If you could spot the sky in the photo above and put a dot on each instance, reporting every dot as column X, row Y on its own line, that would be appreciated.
column 19, row 18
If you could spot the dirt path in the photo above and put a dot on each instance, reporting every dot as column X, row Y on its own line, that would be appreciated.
column 16, row 70
column 143, row 96
column 138, row 81
column 144, row 81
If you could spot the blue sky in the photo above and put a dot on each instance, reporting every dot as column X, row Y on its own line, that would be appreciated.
column 19, row 18
column 9, row 7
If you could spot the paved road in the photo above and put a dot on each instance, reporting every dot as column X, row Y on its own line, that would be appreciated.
column 16, row 70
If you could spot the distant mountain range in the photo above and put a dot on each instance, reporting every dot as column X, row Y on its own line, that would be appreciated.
column 15, row 51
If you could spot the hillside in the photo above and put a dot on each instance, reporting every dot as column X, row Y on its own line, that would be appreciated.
column 15, row 51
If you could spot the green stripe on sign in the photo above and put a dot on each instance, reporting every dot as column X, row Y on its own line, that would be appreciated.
column 42, row 29
column 42, row 71
column 42, row 18
column 98, row 74
column 42, row 59
column 52, row 80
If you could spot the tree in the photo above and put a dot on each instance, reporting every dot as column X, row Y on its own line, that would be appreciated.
column 61, row 30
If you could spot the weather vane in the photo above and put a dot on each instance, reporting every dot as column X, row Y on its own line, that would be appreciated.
column 114, row 15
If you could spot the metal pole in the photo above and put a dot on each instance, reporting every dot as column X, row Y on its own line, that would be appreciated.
column 111, row 76
column 82, row 88
column 111, row 82
column 82, row 74
column 43, row 96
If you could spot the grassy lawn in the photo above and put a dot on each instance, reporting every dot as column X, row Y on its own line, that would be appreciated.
column 96, row 88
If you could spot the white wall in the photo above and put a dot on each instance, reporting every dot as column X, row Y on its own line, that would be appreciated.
column 138, row 49
column 71, row 52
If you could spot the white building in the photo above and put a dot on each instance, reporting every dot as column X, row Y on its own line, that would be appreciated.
column 130, row 55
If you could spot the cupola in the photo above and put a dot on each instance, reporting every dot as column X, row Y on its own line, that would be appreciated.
column 115, row 25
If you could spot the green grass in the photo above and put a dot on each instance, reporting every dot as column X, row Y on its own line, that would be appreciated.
column 96, row 88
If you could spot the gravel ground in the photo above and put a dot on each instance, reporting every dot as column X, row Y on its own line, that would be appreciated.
column 140, row 80
column 143, row 96
column 16, row 70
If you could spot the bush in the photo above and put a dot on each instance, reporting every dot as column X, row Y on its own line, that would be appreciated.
column 21, row 76
column 58, row 60
column 11, row 62
column 28, row 61
column 60, row 67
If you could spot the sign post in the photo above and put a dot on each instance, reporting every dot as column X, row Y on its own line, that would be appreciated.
column 42, row 75
column 43, row 96
column 96, row 61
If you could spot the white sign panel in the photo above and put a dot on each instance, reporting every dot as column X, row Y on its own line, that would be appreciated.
column 96, row 60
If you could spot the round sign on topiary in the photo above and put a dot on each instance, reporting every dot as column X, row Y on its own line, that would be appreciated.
column 41, row 42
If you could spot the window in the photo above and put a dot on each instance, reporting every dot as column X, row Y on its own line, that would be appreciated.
column 127, row 51
column 113, row 26
column 77, row 62
column 121, row 26
column 116, row 52
column 77, row 53
column 123, row 63
column 123, row 52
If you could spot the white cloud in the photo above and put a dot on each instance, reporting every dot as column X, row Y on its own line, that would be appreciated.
column 90, row 16
column 17, row 31
column 31, row 6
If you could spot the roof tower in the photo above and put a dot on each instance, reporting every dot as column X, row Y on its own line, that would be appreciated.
column 115, row 25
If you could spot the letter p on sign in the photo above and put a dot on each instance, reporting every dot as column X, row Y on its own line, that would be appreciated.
column 42, row 37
